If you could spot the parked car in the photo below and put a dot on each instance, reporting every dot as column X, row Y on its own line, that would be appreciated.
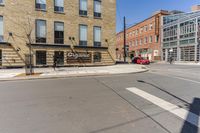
column 141, row 60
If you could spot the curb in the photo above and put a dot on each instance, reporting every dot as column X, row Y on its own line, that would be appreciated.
column 65, row 76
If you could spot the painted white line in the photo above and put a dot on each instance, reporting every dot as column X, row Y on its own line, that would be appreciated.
column 173, row 76
column 182, row 113
column 188, row 80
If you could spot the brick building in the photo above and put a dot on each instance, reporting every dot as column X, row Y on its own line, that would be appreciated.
column 142, row 38
column 72, row 32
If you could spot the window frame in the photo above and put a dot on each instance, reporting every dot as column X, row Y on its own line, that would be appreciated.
column 83, row 42
column 97, row 14
column 83, row 12
column 95, row 43
column 2, row 36
column 97, row 57
column 40, row 9
column 63, row 39
column 42, row 59
column 44, row 40
column 59, row 11
column 2, row 3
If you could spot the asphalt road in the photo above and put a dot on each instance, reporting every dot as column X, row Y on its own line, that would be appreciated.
column 164, row 100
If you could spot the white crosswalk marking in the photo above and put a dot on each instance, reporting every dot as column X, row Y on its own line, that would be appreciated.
column 182, row 113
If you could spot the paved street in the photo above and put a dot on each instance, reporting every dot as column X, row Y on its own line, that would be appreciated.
column 164, row 100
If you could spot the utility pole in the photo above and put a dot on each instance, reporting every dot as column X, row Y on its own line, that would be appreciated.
column 124, row 39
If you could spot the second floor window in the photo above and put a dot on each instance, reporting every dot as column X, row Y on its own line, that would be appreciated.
column 40, row 31
column 41, row 4
column 83, row 35
column 1, row 2
column 83, row 8
column 59, row 33
column 97, row 36
column 97, row 8
column 59, row 5
column 1, row 29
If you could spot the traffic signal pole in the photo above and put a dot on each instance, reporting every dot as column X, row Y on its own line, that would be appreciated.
column 124, row 39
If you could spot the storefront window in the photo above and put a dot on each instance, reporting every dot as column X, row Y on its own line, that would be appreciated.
column 97, row 57
column 41, row 57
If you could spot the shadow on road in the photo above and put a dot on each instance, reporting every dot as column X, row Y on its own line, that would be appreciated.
column 159, row 88
column 193, row 108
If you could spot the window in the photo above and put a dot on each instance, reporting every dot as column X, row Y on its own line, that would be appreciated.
column 1, row 2
column 83, row 35
column 59, row 57
column 97, row 8
column 150, row 26
column 59, row 5
column 97, row 57
column 150, row 39
column 59, row 32
column 40, row 31
column 145, row 40
column 136, row 42
column 141, row 30
column 41, row 57
column 83, row 8
column 1, row 29
column 141, row 41
column 97, row 36
column 40, row 4
column 145, row 28
column 156, row 38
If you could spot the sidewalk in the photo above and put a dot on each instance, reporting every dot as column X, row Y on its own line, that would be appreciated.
column 13, row 74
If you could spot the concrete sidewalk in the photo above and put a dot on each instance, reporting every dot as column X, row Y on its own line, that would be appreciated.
column 13, row 74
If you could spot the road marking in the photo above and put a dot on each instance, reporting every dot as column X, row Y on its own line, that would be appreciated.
column 188, row 80
column 180, row 112
column 173, row 76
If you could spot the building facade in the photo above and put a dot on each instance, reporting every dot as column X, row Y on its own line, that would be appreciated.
column 180, row 37
column 68, row 32
column 143, row 39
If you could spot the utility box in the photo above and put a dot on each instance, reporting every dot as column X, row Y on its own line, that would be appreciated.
column 29, row 64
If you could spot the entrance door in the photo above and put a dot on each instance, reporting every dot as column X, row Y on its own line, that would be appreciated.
column 0, row 57
column 59, row 55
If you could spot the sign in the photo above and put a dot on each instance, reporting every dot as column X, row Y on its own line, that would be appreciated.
column 79, row 57
column 155, row 53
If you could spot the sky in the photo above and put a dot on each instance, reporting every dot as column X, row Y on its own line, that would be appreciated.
column 138, row 10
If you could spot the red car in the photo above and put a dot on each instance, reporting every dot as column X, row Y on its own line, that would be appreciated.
column 140, row 60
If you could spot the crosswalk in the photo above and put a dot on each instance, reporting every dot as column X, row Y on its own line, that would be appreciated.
column 174, row 109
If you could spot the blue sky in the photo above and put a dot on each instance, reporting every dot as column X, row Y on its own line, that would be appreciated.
column 138, row 10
